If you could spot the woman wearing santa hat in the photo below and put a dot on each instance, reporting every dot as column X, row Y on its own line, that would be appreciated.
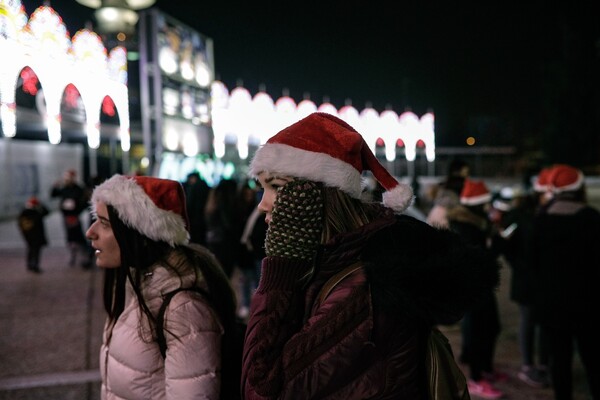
column 349, row 290
column 152, row 350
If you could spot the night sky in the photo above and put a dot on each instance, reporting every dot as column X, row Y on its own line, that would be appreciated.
column 471, row 63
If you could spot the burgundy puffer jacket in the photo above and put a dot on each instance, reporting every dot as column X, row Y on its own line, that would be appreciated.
column 366, row 339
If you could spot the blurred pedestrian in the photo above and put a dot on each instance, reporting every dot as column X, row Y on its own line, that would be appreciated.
column 33, row 229
column 245, row 260
column 141, row 242
column 447, row 193
column 513, row 239
column 73, row 201
column 222, row 230
column 565, row 252
column 480, row 326
column 196, row 192
column 349, row 291
column 253, row 240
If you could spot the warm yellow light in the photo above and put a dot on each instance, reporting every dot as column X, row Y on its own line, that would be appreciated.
column 470, row 141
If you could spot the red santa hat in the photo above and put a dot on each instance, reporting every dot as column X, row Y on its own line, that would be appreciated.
column 474, row 193
column 154, row 207
column 324, row 148
column 32, row 202
column 565, row 178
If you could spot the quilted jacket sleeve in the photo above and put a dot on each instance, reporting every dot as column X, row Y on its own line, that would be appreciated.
column 289, row 350
column 193, row 358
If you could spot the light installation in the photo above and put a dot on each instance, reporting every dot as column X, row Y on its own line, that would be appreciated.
column 243, row 119
column 62, row 65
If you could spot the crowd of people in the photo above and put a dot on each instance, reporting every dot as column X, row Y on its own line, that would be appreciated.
column 340, row 287
column 546, row 235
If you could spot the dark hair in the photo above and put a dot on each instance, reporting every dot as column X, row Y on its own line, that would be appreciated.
column 138, row 254
column 455, row 167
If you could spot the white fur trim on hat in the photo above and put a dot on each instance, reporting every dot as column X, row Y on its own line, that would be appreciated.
column 137, row 210
column 476, row 200
column 287, row 160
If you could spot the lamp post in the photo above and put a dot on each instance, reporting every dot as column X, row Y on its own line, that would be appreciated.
column 116, row 16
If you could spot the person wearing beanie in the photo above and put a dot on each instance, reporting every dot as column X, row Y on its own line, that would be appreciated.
column 350, row 291
column 32, row 227
column 154, row 349
column 564, row 249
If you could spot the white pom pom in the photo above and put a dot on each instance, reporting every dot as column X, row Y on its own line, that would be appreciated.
column 399, row 198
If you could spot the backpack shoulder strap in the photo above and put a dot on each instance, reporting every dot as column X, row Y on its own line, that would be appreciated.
column 160, row 318
column 336, row 279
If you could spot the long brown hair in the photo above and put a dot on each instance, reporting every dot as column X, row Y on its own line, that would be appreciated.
column 343, row 213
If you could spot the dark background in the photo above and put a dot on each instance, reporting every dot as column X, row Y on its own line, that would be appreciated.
column 523, row 74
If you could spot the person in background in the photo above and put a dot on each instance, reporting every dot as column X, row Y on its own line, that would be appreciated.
column 350, row 290
column 196, row 192
column 446, row 195
column 253, row 240
column 481, row 324
column 512, row 239
column 245, row 262
column 141, row 241
column 73, row 201
column 564, row 253
column 33, row 229
column 222, row 232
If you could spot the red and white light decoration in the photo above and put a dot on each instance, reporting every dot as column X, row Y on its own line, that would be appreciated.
column 41, row 43
column 231, row 113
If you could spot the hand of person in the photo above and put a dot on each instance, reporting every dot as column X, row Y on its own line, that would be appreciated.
column 296, row 221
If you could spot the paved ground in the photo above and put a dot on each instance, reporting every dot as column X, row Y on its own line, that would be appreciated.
column 50, row 327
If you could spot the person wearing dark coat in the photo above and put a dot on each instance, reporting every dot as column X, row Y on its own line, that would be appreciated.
column 480, row 326
column 565, row 241
column 512, row 239
column 349, row 290
column 33, row 229
column 73, row 201
column 196, row 193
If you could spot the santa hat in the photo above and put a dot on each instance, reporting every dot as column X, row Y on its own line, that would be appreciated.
column 565, row 178
column 540, row 184
column 32, row 202
column 474, row 193
column 324, row 148
column 152, row 206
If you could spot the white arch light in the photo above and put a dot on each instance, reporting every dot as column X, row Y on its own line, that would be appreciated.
column 42, row 43
column 231, row 114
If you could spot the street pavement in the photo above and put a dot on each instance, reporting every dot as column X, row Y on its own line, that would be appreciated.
column 51, row 324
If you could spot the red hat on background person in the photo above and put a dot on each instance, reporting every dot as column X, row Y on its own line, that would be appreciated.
column 154, row 207
column 323, row 148
column 474, row 193
column 565, row 178
column 32, row 202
